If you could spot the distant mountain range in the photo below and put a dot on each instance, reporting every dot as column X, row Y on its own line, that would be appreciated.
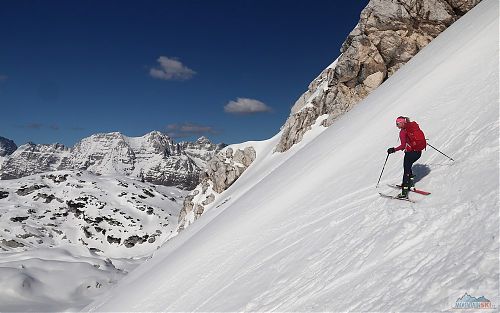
column 154, row 158
column 118, row 196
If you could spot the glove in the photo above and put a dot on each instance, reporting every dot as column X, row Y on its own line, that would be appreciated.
column 391, row 150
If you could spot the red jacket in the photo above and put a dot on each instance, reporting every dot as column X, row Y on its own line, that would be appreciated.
column 403, row 137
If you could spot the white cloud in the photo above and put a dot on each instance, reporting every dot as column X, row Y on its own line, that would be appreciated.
column 171, row 69
column 246, row 106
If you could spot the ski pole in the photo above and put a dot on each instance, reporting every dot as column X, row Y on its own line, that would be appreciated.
column 440, row 152
column 382, row 170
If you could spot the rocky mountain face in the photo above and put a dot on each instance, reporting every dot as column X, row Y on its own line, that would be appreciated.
column 33, row 158
column 388, row 34
column 7, row 146
column 221, row 172
column 112, row 216
column 153, row 157
column 201, row 151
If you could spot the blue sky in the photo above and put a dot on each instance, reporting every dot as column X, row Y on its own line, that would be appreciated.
column 228, row 70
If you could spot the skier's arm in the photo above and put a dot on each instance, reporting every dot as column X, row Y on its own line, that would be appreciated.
column 402, row 138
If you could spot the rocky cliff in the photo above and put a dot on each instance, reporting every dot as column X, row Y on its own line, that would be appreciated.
column 388, row 34
column 153, row 157
column 221, row 172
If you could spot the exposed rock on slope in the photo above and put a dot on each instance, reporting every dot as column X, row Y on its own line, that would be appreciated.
column 389, row 33
column 222, row 171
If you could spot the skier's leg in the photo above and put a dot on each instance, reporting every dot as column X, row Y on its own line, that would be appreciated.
column 415, row 156
column 410, row 158
column 405, row 185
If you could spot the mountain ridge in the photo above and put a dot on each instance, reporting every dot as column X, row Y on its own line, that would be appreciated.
column 153, row 157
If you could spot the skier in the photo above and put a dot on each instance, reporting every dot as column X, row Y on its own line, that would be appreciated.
column 412, row 142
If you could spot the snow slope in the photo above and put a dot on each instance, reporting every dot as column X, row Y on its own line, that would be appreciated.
column 54, row 279
column 106, row 214
column 310, row 233
column 67, row 236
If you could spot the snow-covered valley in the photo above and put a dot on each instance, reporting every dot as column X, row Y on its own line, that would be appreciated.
column 69, row 235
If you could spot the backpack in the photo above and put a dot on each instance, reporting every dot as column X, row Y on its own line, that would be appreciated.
column 416, row 136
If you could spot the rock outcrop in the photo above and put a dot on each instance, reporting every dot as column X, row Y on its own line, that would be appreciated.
column 227, row 166
column 388, row 34
column 221, row 172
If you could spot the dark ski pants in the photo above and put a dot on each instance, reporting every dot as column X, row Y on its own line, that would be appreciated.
column 410, row 158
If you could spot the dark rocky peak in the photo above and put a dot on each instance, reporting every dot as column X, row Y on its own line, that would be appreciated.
column 7, row 146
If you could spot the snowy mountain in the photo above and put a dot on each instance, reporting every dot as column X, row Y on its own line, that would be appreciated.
column 33, row 158
column 153, row 157
column 201, row 151
column 305, row 230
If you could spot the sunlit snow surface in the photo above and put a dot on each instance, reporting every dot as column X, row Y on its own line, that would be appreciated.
column 67, row 236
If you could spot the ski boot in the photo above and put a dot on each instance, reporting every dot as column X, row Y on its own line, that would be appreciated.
column 404, row 192
column 412, row 181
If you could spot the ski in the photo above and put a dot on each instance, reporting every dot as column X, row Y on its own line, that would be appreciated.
column 396, row 198
column 413, row 189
